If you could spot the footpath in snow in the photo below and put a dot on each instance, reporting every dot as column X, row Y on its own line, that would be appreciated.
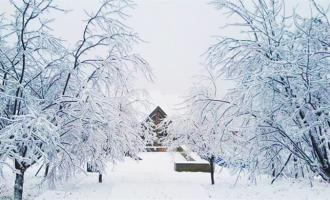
column 154, row 178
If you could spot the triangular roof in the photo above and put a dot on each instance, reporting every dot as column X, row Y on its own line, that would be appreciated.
column 158, row 110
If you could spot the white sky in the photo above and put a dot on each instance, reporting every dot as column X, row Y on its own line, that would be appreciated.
column 177, row 32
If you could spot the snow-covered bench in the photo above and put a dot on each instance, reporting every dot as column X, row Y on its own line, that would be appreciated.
column 185, row 161
column 156, row 149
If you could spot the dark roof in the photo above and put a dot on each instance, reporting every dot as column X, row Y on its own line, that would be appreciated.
column 158, row 109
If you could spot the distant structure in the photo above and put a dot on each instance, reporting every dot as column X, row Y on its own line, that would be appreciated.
column 157, row 116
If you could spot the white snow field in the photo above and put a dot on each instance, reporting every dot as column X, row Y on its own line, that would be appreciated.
column 154, row 178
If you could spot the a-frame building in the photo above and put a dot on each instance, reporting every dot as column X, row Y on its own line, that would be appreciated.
column 157, row 116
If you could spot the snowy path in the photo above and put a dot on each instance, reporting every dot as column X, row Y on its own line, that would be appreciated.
column 153, row 178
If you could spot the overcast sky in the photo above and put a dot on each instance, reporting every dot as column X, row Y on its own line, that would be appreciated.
column 177, row 33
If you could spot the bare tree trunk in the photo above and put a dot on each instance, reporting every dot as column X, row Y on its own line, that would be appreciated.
column 273, row 170
column 211, row 161
column 39, row 170
column 18, row 188
column 46, row 170
column 100, row 178
column 321, row 155
column 295, row 167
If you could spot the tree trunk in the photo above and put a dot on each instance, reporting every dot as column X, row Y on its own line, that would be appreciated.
column 211, row 160
column 321, row 155
column 39, row 170
column 100, row 178
column 46, row 170
column 273, row 170
column 18, row 188
column 295, row 167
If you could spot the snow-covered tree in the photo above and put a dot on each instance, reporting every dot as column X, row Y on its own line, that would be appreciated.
column 280, row 102
column 61, row 107
column 104, row 89
column 30, row 57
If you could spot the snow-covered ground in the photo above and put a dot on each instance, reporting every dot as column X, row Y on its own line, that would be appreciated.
column 154, row 178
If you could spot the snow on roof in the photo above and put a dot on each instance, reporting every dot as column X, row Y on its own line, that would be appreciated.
column 158, row 109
